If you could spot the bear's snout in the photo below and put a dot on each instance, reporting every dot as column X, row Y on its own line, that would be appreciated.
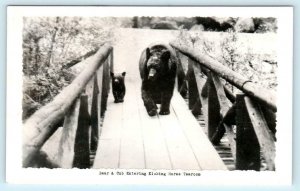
column 152, row 74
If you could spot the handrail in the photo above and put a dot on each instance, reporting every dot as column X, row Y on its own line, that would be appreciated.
column 253, row 90
column 254, row 118
column 39, row 127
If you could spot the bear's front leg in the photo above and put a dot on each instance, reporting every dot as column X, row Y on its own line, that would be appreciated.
column 115, row 96
column 149, row 103
column 165, row 103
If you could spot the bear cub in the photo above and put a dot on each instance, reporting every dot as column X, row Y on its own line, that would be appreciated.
column 118, row 86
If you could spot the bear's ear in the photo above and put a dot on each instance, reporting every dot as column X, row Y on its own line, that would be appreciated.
column 124, row 73
column 112, row 74
column 147, row 53
column 165, row 55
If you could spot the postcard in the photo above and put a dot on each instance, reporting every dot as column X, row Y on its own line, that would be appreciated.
column 161, row 95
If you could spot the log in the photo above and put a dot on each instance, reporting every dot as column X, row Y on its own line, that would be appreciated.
column 38, row 127
column 249, row 88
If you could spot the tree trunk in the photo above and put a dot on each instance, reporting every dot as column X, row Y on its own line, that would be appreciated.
column 50, row 52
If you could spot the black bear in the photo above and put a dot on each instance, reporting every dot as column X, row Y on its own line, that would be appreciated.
column 118, row 86
column 157, row 67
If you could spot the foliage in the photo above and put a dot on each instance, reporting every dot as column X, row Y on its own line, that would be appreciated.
column 238, row 24
column 49, row 43
column 235, row 51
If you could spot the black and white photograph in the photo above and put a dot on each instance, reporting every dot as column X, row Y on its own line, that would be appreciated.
column 149, row 95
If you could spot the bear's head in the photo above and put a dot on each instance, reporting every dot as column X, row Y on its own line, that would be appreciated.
column 118, row 77
column 118, row 86
column 157, row 63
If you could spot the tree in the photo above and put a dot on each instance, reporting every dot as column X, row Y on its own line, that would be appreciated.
column 50, row 44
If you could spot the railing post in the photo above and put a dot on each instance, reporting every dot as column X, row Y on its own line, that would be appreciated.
column 82, row 154
column 193, row 91
column 94, row 116
column 262, row 131
column 214, row 116
column 105, row 86
column 67, row 142
column 181, row 77
column 111, row 60
column 247, row 146
column 99, row 74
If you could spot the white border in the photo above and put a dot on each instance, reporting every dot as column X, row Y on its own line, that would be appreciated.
column 16, row 174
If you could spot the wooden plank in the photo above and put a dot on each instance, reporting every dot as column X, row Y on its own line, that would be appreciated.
column 108, row 152
column 204, row 152
column 156, row 152
column 263, row 133
column 107, row 155
column 132, row 154
column 181, row 153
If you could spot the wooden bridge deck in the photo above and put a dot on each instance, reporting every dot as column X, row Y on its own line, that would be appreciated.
column 130, row 139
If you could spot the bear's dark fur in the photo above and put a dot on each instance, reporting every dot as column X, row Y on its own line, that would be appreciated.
column 118, row 86
column 157, row 66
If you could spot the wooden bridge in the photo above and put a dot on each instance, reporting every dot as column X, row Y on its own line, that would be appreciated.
column 129, row 139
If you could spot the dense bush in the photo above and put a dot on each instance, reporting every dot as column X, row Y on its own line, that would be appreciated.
column 50, row 44
column 235, row 51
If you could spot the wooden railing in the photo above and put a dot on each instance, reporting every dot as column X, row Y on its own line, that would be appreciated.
column 248, row 118
column 80, row 106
